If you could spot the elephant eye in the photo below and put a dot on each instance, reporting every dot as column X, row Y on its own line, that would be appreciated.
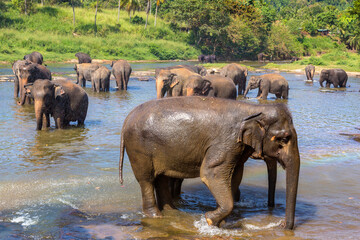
column 283, row 140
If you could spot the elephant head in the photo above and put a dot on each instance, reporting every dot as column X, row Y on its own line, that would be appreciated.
column 196, row 85
column 26, row 72
column 324, row 76
column 44, row 93
column 164, row 82
column 272, row 136
column 253, row 83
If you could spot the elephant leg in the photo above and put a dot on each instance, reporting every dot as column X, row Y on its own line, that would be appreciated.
column 219, row 185
column 46, row 120
column 272, row 173
column 149, row 202
column 58, row 122
column 93, row 85
column 264, row 94
column 81, row 121
column 236, row 180
column 278, row 95
column 16, row 87
column 97, row 86
column 259, row 93
column 239, row 88
column 328, row 84
column 175, row 187
column 163, row 195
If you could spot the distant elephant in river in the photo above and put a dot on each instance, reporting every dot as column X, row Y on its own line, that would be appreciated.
column 238, row 74
column 337, row 77
column 201, row 58
column 213, row 138
column 29, row 72
column 310, row 72
column 210, row 58
column 100, row 79
column 269, row 83
column 84, row 72
column 83, row 57
column 121, row 70
column 34, row 57
column 261, row 57
column 62, row 99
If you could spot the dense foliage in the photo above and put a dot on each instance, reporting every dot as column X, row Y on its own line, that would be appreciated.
column 231, row 29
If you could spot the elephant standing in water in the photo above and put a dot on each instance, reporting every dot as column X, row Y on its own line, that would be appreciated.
column 238, row 131
column 121, row 70
column 62, row 99
column 16, row 70
column 100, row 79
column 29, row 72
column 310, row 72
column 269, row 83
column 337, row 77
column 237, row 73
column 84, row 72
column 34, row 57
column 83, row 57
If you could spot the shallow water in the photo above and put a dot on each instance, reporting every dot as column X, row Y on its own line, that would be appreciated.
column 64, row 183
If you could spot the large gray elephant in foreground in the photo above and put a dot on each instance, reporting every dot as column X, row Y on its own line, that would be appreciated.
column 336, row 77
column 237, row 73
column 121, row 70
column 269, row 83
column 310, row 72
column 213, row 138
column 62, row 99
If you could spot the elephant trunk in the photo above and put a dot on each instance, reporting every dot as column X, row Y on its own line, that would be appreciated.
column 160, row 91
column 246, row 90
column 39, row 113
column 292, row 179
column 321, row 80
column 22, row 92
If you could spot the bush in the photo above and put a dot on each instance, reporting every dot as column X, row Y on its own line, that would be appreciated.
column 137, row 20
column 20, row 5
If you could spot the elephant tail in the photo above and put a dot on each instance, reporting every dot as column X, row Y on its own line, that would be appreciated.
column 121, row 161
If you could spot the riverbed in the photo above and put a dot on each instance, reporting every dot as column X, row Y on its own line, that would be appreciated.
column 64, row 184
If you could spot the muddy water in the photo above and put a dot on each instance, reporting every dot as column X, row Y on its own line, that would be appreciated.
column 63, row 184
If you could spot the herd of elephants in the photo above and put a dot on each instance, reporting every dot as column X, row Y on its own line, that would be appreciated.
column 208, row 131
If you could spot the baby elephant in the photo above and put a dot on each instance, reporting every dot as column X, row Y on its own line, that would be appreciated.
column 273, row 83
column 100, row 79
column 62, row 99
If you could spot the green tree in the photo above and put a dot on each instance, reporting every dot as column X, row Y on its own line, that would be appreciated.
column 131, row 6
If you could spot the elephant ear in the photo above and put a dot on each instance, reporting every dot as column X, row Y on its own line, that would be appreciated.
column 59, row 91
column 206, row 87
column 252, row 132
column 173, row 80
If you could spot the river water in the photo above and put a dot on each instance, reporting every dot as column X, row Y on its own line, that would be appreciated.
column 63, row 184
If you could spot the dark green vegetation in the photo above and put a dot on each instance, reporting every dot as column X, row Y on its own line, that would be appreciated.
column 231, row 29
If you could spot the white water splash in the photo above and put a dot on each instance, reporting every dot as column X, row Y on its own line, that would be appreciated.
column 207, row 230
column 67, row 203
column 25, row 220
column 270, row 225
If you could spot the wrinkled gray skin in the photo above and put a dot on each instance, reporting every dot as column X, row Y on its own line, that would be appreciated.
column 62, row 99
column 34, row 57
column 238, row 131
column 310, row 72
column 269, row 83
column 16, row 70
column 83, row 57
column 337, row 77
column 100, row 79
column 238, row 74
column 28, row 73
column 121, row 70
column 84, row 72
column 193, row 68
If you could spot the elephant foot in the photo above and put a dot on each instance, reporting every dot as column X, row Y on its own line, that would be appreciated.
column 152, row 213
column 213, row 220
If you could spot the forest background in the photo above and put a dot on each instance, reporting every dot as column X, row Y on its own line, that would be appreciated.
column 321, row 32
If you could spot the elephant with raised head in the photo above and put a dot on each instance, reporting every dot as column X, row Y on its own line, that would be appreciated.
column 336, row 77
column 100, row 79
column 310, row 72
column 34, row 57
column 83, row 57
column 121, row 70
column 239, row 130
column 28, row 73
column 269, row 83
column 238, row 74
column 193, row 68
column 62, row 99
column 84, row 72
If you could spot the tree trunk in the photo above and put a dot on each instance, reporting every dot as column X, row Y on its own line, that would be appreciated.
column 147, row 13
column 118, row 19
column 97, row 2
column 156, row 14
column 25, row 8
column 42, row 3
column 73, row 8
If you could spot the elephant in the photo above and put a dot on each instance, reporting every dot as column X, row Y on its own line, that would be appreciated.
column 16, row 70
column 221, row 87
column 210, row 58
column 84, row 72
column 337, row 77
column 157, row 151
column 83, row 57
column 29, row 72
column 121, row 70
column 34, row 57
column 173, row 82
column 63, row 99
column 261, row 57
column 201, row 58
column 273, row 83
column 310, row 72
column 238, row 74
column 100, row 79
column 193, row 68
